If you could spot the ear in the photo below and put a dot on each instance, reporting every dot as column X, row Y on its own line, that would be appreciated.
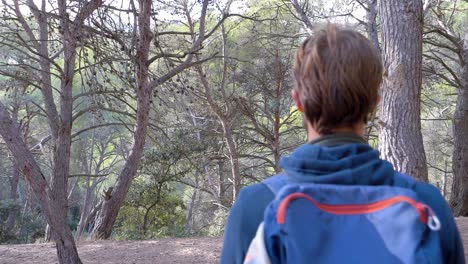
column 297, row 101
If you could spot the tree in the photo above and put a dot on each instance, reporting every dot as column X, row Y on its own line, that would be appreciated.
column 139, row 53
column 400, row 138
column 459, row 198
column 18, row 91
column 224, row 112
column 273, row 126
column 97, row 157
column 448, row 57
column 53, row 197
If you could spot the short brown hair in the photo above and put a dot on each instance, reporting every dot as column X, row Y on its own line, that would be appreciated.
column 338, row 73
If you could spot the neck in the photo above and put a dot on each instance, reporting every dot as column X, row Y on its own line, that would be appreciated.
column 357, row 129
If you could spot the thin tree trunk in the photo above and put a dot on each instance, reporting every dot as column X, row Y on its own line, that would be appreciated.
column 371, row 23
column 189, row 215
column 459, row 197
column 14, row 179
column 13, row 214
column 90, row 187
column 83, row 216
column 279, row 74
column 92, row 215
column 233, row 159
column 372, row 33
column 146, row 216
column 400, row 138
column 444, row 182
column 222, row 185
column 47, row 234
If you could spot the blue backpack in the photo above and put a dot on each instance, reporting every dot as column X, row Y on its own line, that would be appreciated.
column 321, row 223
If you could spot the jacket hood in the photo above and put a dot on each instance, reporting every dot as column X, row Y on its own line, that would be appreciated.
column 345, row 164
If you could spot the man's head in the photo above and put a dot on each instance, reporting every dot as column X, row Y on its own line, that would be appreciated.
column 337, row 73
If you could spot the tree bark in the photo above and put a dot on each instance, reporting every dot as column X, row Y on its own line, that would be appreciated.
column 400, row 138
column 459, row 196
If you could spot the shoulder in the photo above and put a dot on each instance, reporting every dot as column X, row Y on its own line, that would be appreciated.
column 254, row 188
column 250, row 204
column 428, row 194
column 432, row 197
column 245, row 216
column 450, row 237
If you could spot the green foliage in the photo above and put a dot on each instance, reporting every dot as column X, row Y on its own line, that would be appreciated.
column 28, row 229
column 216, row 228
column 161, row 206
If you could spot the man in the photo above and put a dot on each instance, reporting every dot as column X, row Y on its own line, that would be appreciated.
column 338, row 73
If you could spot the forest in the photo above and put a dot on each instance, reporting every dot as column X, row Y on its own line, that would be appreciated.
column 141, row 119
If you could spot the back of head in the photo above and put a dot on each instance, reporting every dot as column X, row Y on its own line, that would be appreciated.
column 337, row 73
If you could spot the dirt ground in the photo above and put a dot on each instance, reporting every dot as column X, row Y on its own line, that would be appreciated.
column 164, row 251
column 170, row 251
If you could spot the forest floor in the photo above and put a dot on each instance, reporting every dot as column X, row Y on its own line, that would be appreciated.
column 170, row 251
column 164, row 251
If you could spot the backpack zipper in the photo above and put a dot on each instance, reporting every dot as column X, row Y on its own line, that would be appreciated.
column 425, row 213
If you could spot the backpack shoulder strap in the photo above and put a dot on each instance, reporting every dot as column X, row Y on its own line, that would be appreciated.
column 276, row 182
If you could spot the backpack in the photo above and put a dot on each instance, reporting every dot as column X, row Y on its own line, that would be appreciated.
column 324, row 223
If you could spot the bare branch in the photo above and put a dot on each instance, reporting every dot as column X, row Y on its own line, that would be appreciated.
column 301, row 12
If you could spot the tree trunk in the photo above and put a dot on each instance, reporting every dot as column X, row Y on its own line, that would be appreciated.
column 235, row 171
column 66, row 248
column 13, row 213
column 459, row 197
column 372, row 34
column 47, row 234
column 110, row 208
column 223, row 200
column 189, row 215
column 90, row 187
column 275, row 142
column 146, row 216
column 371, row 23
column 85, row 210
column 400, row 138
column 444, row 182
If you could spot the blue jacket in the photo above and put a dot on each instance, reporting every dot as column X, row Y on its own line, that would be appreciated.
column 337, row 159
